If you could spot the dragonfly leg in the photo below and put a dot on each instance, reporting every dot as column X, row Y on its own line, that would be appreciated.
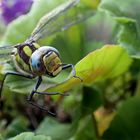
column 12, row 73
column 40, row 107
column 65, row 66
column 39, row 81
column 29, row 99
column 34, row 91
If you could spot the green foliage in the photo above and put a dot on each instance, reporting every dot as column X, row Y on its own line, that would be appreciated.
column 103, row 49
column 50, row 126
column 1, row 138
column 30, row 136
column 14, row 29
column 17, row 126
column 125, row 124
column 127, row 16
column 97, row 65
column 92, row 99
column 86, row 129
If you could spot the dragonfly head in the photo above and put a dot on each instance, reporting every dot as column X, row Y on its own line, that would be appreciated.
column 46, row 61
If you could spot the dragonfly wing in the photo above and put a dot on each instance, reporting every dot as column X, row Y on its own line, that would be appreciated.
column 6, row 47
column 5, row 53
column 59, row 19
column 5, row 59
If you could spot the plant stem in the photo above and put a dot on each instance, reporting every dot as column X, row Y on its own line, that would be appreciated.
column 96, row 127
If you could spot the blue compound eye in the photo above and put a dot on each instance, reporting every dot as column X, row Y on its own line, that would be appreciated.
column 35, row 64
column 38, row 65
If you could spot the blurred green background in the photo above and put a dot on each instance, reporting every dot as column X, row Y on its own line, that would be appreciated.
column 105, row 51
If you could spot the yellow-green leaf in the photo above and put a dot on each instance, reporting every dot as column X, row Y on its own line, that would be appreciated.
column 107, row 62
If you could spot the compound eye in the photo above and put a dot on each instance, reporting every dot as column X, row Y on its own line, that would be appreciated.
column 38, row 65
column 35, row 64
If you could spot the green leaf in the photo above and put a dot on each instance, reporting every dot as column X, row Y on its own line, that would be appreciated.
column 86, row 130
column 56, row 130
column 1, row 138
column 17, row 126
column 90, row 3
column 91, row 101
column 107, row 62
column 127, row 15
column 30, row 136
column 126, row 123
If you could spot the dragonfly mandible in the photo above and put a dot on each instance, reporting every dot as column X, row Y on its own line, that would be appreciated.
column 32, row 60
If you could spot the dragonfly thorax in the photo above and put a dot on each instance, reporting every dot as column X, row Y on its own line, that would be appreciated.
column 45, row 61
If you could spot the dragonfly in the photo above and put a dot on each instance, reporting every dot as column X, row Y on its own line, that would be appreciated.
column 34, row 61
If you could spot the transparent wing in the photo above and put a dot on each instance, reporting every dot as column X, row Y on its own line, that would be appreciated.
column 59, row 19
column 5, row 53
